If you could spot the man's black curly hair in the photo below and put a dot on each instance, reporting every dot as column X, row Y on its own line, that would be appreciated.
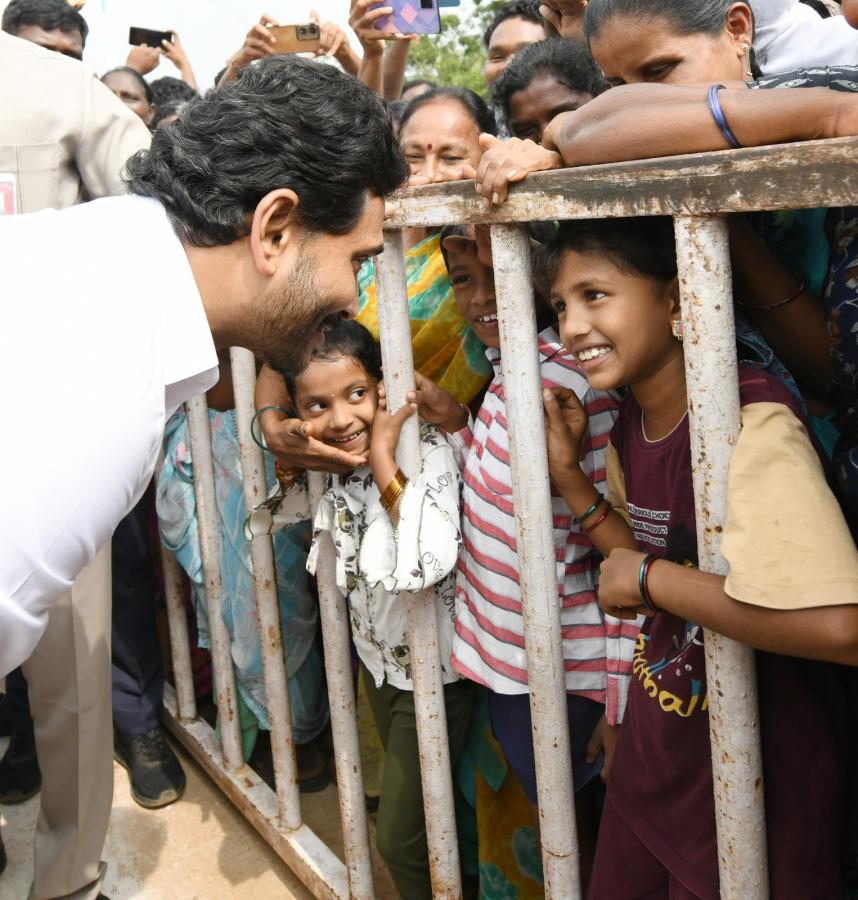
column 284, row 122
column 515, row 9
column 46, row 14
column 345, row 339
column 567, row 62
column 170, row 90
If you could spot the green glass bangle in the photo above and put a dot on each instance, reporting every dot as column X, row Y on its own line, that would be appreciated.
column 578, row 520
column 258, row 440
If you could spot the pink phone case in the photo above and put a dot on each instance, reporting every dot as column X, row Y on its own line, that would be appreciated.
column 410, row 17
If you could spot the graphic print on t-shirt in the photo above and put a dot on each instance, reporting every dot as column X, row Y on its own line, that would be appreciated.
column 676, row 680
column 650, row 525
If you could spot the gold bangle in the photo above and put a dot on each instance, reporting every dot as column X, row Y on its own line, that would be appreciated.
column 390, row 501
column 391, row 493
column 393, row 490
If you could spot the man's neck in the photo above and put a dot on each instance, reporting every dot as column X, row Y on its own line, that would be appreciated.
column 218, row 273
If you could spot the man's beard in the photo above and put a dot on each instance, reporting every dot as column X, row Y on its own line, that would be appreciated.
column 286, row 320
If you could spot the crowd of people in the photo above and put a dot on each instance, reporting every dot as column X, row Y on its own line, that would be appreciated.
column 271, row 181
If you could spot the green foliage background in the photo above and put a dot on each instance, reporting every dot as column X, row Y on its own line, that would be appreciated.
column 456, row 56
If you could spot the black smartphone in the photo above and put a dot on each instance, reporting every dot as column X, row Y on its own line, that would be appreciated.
column 148, row 36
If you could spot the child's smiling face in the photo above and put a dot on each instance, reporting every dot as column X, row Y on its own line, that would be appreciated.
column 340, row 399
column 617, row 324
column 473, row 287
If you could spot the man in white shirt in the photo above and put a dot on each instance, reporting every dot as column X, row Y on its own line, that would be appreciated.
column 266, row 198
column 251, row 218
column 64, row 138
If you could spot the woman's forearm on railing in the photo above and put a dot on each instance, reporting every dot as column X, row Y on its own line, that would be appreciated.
column 642, row 121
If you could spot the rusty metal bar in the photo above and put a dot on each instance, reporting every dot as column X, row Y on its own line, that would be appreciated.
column 420, row 608
column 333, row 612
column 211, row 550
column 180, row 641
column 787, row 176
column 536, row 561
column 703, row 255
column 267, row 600
column 814, row 174
column 301, row 849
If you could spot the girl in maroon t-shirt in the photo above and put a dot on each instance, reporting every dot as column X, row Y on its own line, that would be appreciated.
column 614, row 287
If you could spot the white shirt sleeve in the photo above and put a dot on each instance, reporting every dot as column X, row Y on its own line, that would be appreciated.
column 88, row 423
column 110, row 134
column 424, row 547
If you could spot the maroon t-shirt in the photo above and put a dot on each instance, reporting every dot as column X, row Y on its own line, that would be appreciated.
column 661, row 779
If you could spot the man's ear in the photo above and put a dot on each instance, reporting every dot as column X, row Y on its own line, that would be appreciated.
column 274, row 223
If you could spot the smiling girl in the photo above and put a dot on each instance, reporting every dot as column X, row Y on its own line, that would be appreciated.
column 390, row 535
column 792, row 587
column 489, row 645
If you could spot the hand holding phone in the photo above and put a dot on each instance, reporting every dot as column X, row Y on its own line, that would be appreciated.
column 144, row 59
column 410, row 17
column 304, row 38
column 140, row 36
column 362, row 18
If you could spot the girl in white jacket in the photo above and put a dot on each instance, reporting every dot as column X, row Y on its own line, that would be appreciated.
column 391, row 534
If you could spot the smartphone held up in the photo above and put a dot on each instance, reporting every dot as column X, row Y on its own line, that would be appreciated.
column 410, row 17
column 149, row 37
column 304, row 38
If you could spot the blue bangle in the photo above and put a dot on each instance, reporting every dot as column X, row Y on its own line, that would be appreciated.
column 720, row 118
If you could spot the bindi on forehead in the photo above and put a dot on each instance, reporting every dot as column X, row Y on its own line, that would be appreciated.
column 428, row 146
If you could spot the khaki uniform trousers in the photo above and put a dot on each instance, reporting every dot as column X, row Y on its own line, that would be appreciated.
column 68, row 678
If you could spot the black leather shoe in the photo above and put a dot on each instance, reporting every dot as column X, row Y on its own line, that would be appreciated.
column 156, row 774
column 20, row 777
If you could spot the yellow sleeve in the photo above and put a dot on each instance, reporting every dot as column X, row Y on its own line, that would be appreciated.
column 785, row 538
column 616, row 484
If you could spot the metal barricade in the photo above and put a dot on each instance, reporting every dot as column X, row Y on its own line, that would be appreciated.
column 697, row 191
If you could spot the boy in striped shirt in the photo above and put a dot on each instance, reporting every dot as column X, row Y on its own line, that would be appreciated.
column 489, row 641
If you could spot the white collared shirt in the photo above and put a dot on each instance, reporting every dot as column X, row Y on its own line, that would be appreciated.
column 102, row 335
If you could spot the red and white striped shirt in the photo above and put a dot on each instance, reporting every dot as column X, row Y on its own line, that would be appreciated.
column 489, row 642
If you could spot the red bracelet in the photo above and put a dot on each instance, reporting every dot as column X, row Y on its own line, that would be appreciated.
column 608, row 509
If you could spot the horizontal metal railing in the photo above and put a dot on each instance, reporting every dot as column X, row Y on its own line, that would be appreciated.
column 697, row 191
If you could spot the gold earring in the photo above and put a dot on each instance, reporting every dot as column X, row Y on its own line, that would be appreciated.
column 676, row 329
column 746, row 53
